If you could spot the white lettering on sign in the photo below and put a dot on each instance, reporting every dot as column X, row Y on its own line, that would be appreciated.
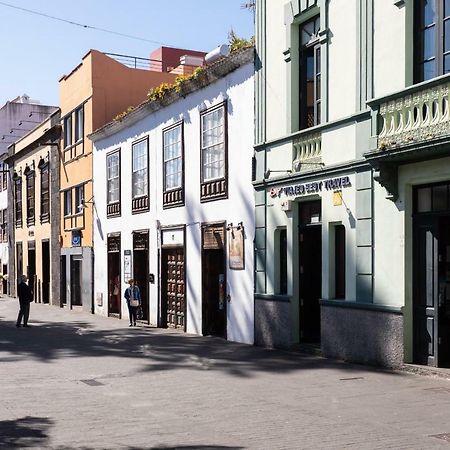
column 313, row 187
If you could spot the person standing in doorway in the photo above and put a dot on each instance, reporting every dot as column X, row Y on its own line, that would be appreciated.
column 133, row 298
column 25, row 295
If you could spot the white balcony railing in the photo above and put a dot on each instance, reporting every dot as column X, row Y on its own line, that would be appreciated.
column 307, row 151
column 415, row 116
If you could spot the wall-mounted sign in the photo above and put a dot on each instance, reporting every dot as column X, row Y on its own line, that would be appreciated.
column 127, row 265
column 76, row 238
column 236, row 248
column 330, row 184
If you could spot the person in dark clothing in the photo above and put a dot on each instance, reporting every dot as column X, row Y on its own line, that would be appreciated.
column 25, row 295
column 133, row 298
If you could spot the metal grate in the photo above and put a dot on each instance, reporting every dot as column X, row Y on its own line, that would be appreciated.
column 92, row 382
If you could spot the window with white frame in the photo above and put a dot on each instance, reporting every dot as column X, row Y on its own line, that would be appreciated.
column 68, row 131
column 173, row 158
column 113, row 177
column 79, row 124
column 79, row 199
column 213, row 144
column 140, row 169
column 68, row 203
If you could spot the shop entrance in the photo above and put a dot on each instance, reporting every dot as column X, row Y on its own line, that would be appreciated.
column 214, row 312
column 173, row 300
column 140, row 269
column 75, row 280
column 5, row 279
column 31, row 269
column 45, row 271
column 431, row 275
column 114, row 306
column 310, row 271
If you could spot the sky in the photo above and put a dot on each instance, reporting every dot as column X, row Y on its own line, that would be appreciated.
column 37, row 51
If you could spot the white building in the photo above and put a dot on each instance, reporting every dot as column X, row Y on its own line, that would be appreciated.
column 174, row 205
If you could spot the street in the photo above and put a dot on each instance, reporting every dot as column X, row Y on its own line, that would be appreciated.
column 74, row 380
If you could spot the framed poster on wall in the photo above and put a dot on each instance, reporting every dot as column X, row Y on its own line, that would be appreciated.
column 236, row 248
column 127, row 265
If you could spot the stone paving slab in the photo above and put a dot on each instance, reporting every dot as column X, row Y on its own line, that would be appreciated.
column 75, row 380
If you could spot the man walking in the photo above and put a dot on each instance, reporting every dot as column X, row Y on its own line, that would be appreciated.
column 25, row 295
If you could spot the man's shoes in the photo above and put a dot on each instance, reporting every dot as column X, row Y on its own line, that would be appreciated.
column 18, row 325
column 134, row 323
column 27, row 326
column 130, row 325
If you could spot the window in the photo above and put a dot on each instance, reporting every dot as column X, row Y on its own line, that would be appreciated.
column 432, row 39
column 79, row 199
column 213, row 144
column 68, row 131
column 172, row 158
column 3, row 177
column 45, row 193
column 18, row 200
column 113, row 183
column 310, row 75
column 339, row 261
column 68, row 203
column 79, row 124
column 3, row 225
column 140, row 169
column 30, row 179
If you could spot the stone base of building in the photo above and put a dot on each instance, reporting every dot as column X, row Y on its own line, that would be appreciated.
column 364, row 334
column 272, row 321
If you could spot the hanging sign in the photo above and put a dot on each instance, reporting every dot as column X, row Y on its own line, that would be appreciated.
column 330, row 184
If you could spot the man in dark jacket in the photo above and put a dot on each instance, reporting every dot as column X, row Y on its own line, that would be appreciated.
column 25, row 295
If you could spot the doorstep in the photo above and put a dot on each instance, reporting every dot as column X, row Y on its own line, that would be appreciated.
column 436, row 372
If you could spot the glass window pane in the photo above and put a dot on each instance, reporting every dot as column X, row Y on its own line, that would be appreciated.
column 429, row 70
column 429, row 43
column 439, row 198
column 424, row 199
column 429, row 12
column 447, row 63
column 447, row 35
column 446, row 8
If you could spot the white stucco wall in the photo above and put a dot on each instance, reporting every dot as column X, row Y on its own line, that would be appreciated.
column 237, row 88
column 389, row 48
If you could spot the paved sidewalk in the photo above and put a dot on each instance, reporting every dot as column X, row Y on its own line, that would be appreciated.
column 75, row 380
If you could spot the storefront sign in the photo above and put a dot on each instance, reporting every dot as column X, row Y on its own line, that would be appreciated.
column 330, row 184
column 127, row 264
column 236, row 248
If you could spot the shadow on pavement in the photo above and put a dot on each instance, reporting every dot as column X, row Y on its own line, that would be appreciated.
column 157, row 349
column 25, row 432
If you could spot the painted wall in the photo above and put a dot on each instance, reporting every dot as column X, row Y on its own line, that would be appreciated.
column 108, row 88
column 237, row 88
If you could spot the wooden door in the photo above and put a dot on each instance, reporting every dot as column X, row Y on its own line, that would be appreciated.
column 173, row 289
column 425, row 290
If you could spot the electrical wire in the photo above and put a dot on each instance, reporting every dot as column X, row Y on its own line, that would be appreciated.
column 71, row 22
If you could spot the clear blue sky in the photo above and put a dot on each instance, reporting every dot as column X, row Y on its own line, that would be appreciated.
column 36, row 51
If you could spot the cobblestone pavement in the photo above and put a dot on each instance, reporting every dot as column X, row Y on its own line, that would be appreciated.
column 75, row 380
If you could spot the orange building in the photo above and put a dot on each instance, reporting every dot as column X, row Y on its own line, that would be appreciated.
column 95, row 92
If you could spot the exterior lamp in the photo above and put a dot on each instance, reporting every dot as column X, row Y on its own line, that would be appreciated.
column 269, row 171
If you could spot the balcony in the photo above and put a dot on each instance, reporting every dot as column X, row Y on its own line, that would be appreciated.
column 412, row 117
column 307, row 151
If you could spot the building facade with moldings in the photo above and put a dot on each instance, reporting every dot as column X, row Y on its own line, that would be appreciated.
column 175, row 207
column 352, row 174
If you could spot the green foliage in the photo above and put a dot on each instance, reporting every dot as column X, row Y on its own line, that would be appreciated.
column 237, row 43
column 121, row 115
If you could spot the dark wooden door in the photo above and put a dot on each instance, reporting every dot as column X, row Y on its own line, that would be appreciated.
column 45, row 271
column 173, row 289
column 426, row 290
column 75, row 281
column 310, row 282
column 213, row 298
column 140, row 269
column 114, row 297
